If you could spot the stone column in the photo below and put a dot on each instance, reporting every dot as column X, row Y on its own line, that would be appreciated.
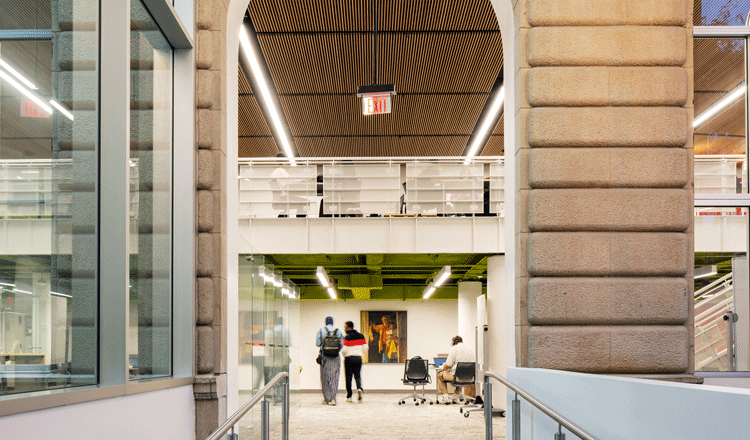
column 211, row 331
column 604, row 151
column 468, row 291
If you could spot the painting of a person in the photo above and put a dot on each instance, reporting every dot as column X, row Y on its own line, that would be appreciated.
column 388, row 339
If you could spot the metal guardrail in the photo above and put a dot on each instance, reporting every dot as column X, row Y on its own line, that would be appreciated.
column 265, row 412
column 516, row 411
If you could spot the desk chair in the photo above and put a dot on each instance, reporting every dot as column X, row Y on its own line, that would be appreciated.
column 465, row 377
column 416, row 374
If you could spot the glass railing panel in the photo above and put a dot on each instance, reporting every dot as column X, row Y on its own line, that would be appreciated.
column 278, row 191
column 440, row 189
column 361, row 190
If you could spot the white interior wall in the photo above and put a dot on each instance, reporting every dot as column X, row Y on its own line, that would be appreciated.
column 431, row 325
column 159, row 414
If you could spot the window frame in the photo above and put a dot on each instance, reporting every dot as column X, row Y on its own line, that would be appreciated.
column 113, row 200
column 729, row 200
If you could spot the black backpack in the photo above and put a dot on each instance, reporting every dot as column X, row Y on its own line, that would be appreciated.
column 331, row 344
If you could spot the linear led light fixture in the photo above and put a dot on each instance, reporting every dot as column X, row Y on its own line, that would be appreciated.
column 331, row 292
column 22, row 291
column 489, row 121
column 705, row 271
column 728, row 99
column 60, row 294
column 20, row 77
column 25, row 91
column 7, row 284
column 438, row 281
column 265, row 92
column 320, row 272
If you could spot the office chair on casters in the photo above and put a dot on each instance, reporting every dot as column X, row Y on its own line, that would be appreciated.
column 465, row 377
column 416, row 374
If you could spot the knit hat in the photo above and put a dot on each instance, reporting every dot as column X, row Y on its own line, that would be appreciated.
column 329, row 320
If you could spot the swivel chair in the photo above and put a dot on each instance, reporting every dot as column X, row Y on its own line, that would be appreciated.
column 465, row 377
column 416, row 374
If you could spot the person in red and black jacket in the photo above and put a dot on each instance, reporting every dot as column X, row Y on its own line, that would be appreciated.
column 355, row 346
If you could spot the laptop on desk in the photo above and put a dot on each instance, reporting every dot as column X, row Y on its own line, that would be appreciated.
column 439, row 361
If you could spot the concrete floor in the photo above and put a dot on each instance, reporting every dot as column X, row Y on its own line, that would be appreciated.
column 378, row 416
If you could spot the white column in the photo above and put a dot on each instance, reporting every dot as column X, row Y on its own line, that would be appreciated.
column 496, row 323
column 741, row 284
column 468, row 291
column 41, row 316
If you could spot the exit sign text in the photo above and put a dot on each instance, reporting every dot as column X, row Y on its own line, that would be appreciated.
column 30, row 109
column 376, row 105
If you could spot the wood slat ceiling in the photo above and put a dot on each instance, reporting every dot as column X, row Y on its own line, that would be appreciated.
column 719, row 68
column 443, row 56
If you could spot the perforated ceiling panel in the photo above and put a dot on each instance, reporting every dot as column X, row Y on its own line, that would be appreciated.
column 442, row 56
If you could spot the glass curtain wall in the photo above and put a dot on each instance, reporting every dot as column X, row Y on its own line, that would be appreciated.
column 268, row 326
column 48, row 202
column 722, row 293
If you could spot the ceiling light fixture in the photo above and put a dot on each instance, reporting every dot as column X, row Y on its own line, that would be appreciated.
column 15, row 73
column 331, row 292
column 25, row 91
column 322, row 276
column 731, row 96
column 428, row 291
column 22, row 291
column 705, row 271
column 493, row 113
column 60, row 294
column 438, row 281
column 7, row 284
column 65, row 111
column 265, row 91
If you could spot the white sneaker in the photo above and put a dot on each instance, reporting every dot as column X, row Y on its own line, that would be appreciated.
column 324, row 402
column 332, row 402
column 360, row 395
column 348, row 399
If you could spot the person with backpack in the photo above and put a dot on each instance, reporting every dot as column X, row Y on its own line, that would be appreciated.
column 329, row 339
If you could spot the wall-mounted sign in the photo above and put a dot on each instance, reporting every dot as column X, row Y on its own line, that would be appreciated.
column 376, row 105
column 30, row 109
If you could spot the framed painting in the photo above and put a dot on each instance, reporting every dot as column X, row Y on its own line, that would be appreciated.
column 385, row 332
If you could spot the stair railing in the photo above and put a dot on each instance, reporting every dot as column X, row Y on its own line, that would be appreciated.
column 265, row 412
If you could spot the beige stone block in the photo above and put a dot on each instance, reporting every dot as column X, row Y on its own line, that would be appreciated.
column 206, row 417
column 608, row 127
column 205, row 349
column 205, row 169
column 77, row 90
column 606, row 46
column 206, row 211
column 207, row 15
column 606, row 12
column 220, row 351
column 522, row 308
column 522, row 345
column 76, row 49
column 522, row 211
column 609, row 349
column 521, row 49
column 560, row 254
column 208, row 133
column 204, row 310
column 650, row 167
column 208, row 50
column 608, row 168
column 521, row 88
column 652, row 350
column 642, row 210
column 220, row 170
column 607, row 86
column 207, row 85
column 650, row 254
column 521, row 135
column 80, row 15
column 206, row 255
column 607, row 301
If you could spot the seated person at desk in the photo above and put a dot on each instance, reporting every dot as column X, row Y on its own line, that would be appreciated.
column 459, row 352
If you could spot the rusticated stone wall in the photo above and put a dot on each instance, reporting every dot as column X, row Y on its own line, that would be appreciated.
column 211, row 319
column 604, row 203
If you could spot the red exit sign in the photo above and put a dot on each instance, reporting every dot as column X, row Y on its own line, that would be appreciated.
column 376, row 105
column 30, row 109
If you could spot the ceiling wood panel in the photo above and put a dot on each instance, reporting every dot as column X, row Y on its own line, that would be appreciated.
column 442, row 55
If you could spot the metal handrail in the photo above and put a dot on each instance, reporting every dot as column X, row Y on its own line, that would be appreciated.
column 562, row 421
column 234, row 418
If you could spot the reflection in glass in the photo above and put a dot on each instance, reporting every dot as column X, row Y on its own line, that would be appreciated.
column 720, row 145
column 721, row 287
column 48, row 203
column 268, row 311
column 151, row 198
column 720, row 12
